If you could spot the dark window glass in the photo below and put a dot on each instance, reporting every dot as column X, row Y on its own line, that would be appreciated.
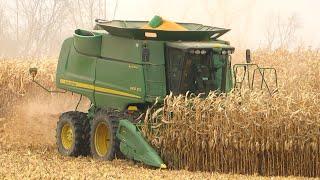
column 189, row 71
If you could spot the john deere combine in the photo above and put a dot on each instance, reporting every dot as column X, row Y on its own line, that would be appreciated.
column 123, row 67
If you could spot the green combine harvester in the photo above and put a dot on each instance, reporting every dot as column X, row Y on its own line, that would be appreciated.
column 123, row 68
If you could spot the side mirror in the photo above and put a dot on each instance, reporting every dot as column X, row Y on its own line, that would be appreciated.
column 33, row 72
column 248, row 56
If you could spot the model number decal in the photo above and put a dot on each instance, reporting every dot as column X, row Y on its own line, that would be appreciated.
column 137, row 89
column 132, row 66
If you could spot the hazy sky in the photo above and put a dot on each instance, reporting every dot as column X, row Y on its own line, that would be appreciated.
column 248, row 19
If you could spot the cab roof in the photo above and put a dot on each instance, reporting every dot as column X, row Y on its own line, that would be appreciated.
column 201, row 45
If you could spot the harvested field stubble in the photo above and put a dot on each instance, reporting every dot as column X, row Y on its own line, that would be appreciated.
column 33, row 162
column 251, row 133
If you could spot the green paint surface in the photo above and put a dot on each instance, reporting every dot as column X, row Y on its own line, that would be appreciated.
column 135, row 147
column 111, row 62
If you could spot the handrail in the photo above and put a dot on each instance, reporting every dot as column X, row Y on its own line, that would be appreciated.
column 246, row 74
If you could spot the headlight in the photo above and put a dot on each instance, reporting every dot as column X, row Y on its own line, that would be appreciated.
column 203, row 52
column 197, row 51
column 224, row 52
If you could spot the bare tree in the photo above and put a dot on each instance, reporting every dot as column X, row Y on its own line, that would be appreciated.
column 280, row 32
column 40, row 26
column 83, row 12
column 270, row 33
column 42, row 22
column 287, row 30
column 6, row 34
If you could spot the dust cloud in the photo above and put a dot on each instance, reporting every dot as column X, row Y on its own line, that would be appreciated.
column 33, row 120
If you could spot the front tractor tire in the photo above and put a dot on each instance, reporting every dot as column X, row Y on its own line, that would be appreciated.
column 72, row 134
column 103, row 141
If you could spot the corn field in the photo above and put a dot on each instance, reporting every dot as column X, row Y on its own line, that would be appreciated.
column 251, row 133
column 247, row 133
column 15, row 82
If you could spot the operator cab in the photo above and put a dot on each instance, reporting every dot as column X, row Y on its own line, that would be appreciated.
column 197, row 67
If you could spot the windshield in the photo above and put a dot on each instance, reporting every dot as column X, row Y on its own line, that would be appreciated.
column 190, row 71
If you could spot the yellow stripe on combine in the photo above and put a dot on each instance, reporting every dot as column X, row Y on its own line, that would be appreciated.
column 111, row 91
column 96, row 88
column 77, row 84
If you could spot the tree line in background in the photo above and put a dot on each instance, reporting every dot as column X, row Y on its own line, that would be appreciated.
column 36, row 28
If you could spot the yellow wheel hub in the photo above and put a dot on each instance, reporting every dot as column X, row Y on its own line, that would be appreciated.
column 102, row 139
column 67, row 136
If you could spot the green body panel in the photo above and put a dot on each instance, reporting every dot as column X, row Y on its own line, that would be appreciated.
column 135, row 147
column 117, row 75
column 75, row 67
column 120, row 67
column 120, row 48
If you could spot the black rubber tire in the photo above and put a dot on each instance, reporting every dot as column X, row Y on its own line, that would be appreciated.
column 81, row 133
column 86, row 136
column 110, row 118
